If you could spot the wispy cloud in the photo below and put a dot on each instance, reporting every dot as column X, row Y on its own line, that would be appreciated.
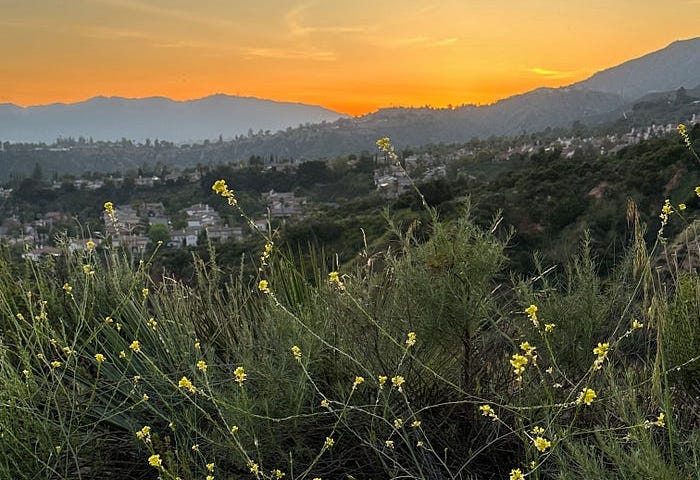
column 421, row 41
column 291, row 54
column 109, row 33
column 294, row 20
column 169, row 11
column 543, row 72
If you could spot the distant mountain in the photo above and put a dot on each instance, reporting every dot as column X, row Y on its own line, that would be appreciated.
column 604, row 97
column 113, row 118
column 677, row 65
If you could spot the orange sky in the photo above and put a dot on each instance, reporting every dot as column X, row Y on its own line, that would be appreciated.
column 350, row 56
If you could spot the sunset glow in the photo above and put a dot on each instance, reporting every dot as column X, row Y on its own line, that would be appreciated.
column 353, row 57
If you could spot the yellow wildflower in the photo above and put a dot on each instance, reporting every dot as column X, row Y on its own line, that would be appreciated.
column 263, row 286
column 145, row 397
column 220, row 188
column 56, row 364
column 155, row 461
column 538, row 430
column 186, row 384
column 99, row 358
column 67, row 288
column 122, row 354
column 518, row 362
column 135, row 346
column 358, row 381
column 90, row 245
column 527, row 348
column 682, row 206
column 278, row 473
column 152, row 323
column 602, row 352
column 382, row 380
column 586, row 396
column 415, row 423
column 240, row 375
column 411, row 340
column 548, row 327
column 398, row 423
column 145, row 292
column 296, row 351
column 195, row 447
column 532, row 313
column 389, row 444
column 202, row 366
column 398, row 382
column 697, row 191
column 542, row 444
column 636, row 324
column 254, row 467
column 210, row 467
column 328, row 443
column 325, row 403
column 234, row 429
column 516, row 474
column 144, row 434
column 660, row 420
column 108, row 320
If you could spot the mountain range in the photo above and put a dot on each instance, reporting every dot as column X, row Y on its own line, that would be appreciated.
column 113, row 118
column 304, row 131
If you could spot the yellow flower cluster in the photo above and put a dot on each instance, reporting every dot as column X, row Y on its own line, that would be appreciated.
column 186, row 383
column 516, row 474
column 384, row 144
column 202, row 366
column 135, row 346
column 602, row 353
column 328, row 443
column 240, row 375
column 266, row 253
column 220, row 188
column 144, row 434
column 519, row 362
column 411, row 339
column 666, row 211
column 541, row 443
column 586, row 396
column 683, row 131
column 155, row 461
column 296, row 351
column 99, row 358
column 109, row 209
column 277, row 473
column 358, row 381
column 532, row 313
column 487, row 411
column 398, row 382
column 334, row 280
column 263, row 286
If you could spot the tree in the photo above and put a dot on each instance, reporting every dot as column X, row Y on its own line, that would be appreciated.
column 158, row 232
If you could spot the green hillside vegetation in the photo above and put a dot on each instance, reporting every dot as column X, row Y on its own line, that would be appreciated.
column 425, row 355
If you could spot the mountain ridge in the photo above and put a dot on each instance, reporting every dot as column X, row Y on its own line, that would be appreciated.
column 603, row 94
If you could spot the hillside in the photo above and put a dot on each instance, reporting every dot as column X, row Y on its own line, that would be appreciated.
column 677, row 65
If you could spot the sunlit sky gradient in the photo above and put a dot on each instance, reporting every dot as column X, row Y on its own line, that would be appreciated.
column 350, row 56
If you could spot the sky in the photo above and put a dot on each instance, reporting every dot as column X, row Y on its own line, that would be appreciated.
column 350, row 56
